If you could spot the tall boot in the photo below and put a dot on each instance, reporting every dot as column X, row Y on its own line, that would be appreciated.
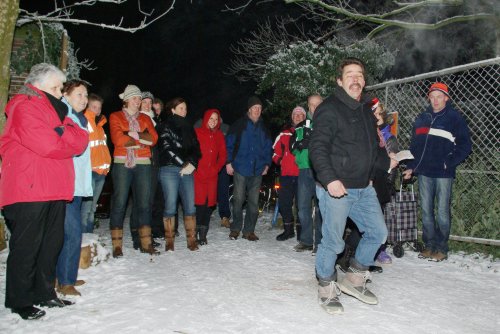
column 136, row 243
column 145, row 236
column 202, row 232
column 190, row 226
column 168, row 225
column 287, row 233
column 117, row 241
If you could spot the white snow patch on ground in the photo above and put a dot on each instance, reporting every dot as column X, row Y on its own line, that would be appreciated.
column 264, row 287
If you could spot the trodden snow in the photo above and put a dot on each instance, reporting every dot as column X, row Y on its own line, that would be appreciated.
column 264, row 287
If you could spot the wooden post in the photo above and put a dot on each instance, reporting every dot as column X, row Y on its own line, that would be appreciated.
column 63, row 63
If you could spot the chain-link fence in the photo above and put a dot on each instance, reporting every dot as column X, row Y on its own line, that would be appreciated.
column 474, row 90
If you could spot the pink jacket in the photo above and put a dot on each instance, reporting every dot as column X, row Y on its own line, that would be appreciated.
column 37, row 162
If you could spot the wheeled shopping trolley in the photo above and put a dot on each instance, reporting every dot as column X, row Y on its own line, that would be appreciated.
column 401, row 215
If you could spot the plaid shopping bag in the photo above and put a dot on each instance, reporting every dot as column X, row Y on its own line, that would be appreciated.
column 401, row 216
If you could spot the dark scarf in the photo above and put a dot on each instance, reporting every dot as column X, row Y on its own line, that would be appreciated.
column 59, row 106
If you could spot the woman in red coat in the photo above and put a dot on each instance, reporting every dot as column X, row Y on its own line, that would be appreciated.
column 213, row 158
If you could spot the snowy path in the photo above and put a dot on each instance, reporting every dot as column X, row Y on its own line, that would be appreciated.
column 265, row 287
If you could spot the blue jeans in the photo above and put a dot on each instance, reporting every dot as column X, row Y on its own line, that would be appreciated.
column 245, row 187
column 362, row 206
column 306, row 196
column 69, row 257
column 435, row 236
column 139, row 178
column 89, row 204
column 223, row 194
column 175, row 185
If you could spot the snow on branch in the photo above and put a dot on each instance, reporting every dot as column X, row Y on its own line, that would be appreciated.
column 383, row 20
column 63, row 13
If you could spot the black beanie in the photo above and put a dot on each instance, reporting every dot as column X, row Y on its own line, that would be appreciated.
column 253, row 100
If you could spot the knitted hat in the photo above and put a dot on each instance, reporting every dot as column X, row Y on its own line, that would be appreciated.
column 130, row 91
column 440, row 87
column 253, row 100
column 298, row 110
column 147, row 95
column 375, row 103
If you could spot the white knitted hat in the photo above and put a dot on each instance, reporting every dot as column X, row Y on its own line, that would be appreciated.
column 130, row 91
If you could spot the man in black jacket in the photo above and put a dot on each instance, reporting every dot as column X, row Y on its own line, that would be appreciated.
column 344, row 152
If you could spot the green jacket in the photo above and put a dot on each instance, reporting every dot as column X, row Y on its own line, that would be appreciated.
column 299, row 143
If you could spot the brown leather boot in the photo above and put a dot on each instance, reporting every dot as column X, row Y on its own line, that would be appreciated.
column 117, row 241
column 169, row 226
column 146, row 245
column 190, row 226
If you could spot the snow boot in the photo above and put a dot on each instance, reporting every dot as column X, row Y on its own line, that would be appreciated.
column 190, row 226
column 169, row 225
column 146, row 245
column 328, row 297
column 202, row 235
column 225, row 222
column 117, row 241
column 68, row 290
column 136, row 242
column 354, row 284
column 287, row 233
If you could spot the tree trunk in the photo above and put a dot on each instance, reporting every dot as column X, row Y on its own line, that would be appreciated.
column 9, row 10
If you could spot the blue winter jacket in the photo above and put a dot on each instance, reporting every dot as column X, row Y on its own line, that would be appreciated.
column 440, row 142
column 249, row 147
column 83, row 167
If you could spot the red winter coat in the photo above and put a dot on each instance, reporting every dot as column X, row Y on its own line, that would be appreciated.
column 213, row 158
column 37, row 163
column 282, row 155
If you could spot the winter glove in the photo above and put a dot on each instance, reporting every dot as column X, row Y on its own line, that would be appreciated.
column 145, row 138
column 133, row 134
column 187, row 170
column 59, row 130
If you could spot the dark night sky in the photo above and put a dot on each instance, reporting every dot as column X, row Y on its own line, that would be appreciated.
column 183, row 54
column 186, row 52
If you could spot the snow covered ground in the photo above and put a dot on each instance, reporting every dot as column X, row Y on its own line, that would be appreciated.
column 265, row 287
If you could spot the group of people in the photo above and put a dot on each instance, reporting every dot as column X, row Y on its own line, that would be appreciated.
column 55, row 159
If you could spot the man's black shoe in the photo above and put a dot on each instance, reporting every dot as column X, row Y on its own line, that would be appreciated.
column 56, row 302
column 376, row 269
column 29, row 312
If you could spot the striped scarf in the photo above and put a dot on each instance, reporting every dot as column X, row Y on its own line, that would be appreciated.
column 133, row 125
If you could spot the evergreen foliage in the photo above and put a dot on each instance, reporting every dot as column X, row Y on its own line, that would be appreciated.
column 304, row 68
column 35, row 51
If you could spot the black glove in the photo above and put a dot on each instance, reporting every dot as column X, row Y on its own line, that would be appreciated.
column 59, row 130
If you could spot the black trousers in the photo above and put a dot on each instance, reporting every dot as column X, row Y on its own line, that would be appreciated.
column 37, row 235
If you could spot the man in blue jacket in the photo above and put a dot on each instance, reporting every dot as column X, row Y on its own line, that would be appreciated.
column 440, row 142
column 249, row 152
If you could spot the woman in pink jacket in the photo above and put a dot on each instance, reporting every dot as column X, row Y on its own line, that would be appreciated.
column 38, row 178
column 213, row 158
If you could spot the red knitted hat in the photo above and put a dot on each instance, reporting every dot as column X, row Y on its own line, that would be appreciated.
column 375, row 103
column 440, row 87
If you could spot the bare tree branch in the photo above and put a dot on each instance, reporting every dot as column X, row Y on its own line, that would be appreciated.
column 382, row 20
column 65, row 14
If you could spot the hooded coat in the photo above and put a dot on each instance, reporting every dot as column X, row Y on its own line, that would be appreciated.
column 37, row 150
column 213, row 158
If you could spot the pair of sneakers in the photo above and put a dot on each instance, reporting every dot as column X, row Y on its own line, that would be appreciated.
column 353, row 284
